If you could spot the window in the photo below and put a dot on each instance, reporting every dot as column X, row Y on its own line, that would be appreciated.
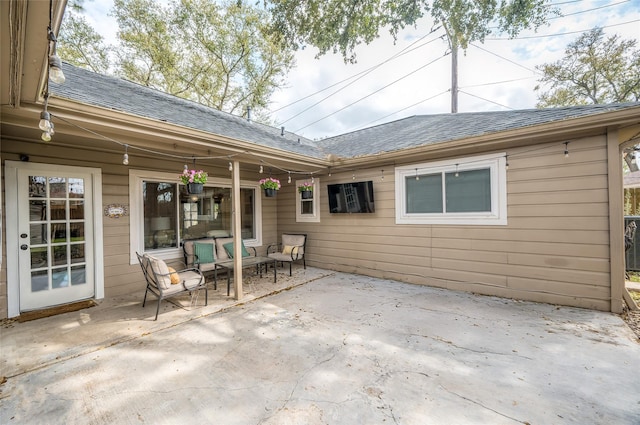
column 163, row 213
column 463, row 191
column 308, row 204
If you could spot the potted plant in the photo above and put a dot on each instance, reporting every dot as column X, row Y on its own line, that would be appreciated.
column 194, row 180
column 306, row 190
column 270, row 186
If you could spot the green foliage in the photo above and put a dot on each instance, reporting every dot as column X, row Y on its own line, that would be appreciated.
column 220, row 54
column 82, row 46
column 594, row 70
column 339, row 26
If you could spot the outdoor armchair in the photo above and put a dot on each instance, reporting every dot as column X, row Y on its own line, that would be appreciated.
column 164, row 281
column 290, row 249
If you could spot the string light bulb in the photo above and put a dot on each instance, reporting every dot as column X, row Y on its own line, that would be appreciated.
column 230, row 166
column 353, row 177
column 417, row 176
column 329, row 171
column 312, row 180
column 506, row 162
column 261, row 169
column 457, row 174
column 566, row 149
column 381, row 175
column 289, row 179
column 125, row 157
column 46, row 136
column 45, row 120
column 55, row 64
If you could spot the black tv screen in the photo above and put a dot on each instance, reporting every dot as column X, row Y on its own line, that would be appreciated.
column 356, row 197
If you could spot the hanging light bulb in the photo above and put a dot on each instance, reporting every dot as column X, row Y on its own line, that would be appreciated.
column 45, row 121
column 230, row 166
column 353, row 177
column 186, row 167
column 55, row 64
column 506, row 162
column 417, row 176
column 457, row 174
column 289, row 179
column 125, row 157
column 381, row 175
column 46, row 136
column 312, row 180
column 261, row 169
column 329, row 171
column 566, row 149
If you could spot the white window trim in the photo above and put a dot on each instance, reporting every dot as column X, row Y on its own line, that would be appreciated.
column 315, row 216
column 136, row 211
column 498, row 215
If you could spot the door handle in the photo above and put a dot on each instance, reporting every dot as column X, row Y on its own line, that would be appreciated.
column 24, row 247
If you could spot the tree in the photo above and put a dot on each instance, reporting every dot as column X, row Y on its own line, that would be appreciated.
column 594, row 70
column 340, row 26
column 220, row 54
column 82, row 46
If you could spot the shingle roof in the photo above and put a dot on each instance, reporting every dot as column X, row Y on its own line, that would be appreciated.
column 428, row 129
column 118, row 94
column 122, row 95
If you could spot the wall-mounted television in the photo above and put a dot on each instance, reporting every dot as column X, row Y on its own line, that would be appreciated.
column 355, row 197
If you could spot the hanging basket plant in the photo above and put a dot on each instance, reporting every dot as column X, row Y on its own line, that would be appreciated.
column 306, row 190
column 194, row 180
column 270, row 186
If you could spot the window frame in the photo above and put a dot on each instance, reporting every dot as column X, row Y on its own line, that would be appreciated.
column 136, row 211
column 496, row 163
column 314, row 217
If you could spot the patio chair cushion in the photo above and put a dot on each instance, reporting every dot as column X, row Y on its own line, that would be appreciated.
column 228, row 247
column 204, row 252
column 294, row 240
column 222, row 253
column 161, row 271
column 175, row 277
column 288, row 250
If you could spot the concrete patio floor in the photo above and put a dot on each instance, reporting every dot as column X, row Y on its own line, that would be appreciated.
column 335, row 348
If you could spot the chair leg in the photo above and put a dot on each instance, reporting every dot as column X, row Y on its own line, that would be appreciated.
column 290, row 264
column 304, row 263
column 158, row 308
column 144, row 300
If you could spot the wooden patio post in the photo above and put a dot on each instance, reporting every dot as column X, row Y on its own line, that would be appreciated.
column 237, row 231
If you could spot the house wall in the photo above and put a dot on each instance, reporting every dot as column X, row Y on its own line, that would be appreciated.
column 120, row 276
column 554, row 249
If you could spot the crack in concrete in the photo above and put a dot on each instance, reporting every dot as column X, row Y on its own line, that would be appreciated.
column 477, row 403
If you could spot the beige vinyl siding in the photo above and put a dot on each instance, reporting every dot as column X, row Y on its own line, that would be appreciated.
column 555, row 247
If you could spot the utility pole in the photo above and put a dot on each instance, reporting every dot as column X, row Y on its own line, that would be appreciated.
column 454, row 76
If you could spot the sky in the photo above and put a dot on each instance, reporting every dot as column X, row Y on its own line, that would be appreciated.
column 324, row 97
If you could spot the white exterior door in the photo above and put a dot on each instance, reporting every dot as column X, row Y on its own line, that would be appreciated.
column 55, row 237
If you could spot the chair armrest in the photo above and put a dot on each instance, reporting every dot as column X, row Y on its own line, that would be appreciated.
column 251, row 248
column 295, row 255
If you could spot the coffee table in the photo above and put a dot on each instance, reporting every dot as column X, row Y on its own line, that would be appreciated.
column 246, row 262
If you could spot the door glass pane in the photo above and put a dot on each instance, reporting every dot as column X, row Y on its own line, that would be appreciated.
column 39, row 280
column 76, row 210
column 37, row 210
column 424, row 195
column 39, row 257
column 159, row 203
column 37, row 187
column 77, row 232
column 57, row 187
column 58, row 232
column 60, row 255
column 38, row 233
column 59, row 278
column 78, row 275
column 76, row 188
column 77, row 253
column 58, row 210
column 469, row 191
